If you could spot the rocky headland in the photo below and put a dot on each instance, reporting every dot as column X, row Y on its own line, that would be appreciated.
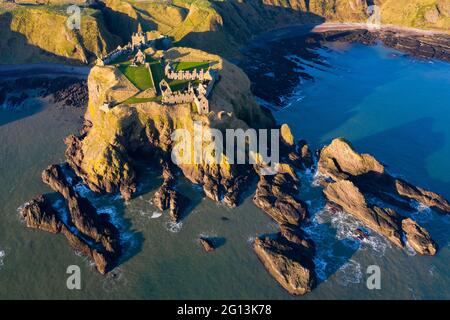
column 106, row 152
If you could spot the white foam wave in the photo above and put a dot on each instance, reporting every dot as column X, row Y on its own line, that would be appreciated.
column 251, row 239
column 349, row 273
column 82, row 190
column 174, row 227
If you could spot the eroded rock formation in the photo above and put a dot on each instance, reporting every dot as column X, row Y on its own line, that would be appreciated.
column 166, row 197
column 88, row 232
column 349, row 176
column 277, row 196
column 289, row 263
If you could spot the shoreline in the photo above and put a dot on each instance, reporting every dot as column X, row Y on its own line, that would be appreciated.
column 276, row 77
column 303, row 29
column 43, row 69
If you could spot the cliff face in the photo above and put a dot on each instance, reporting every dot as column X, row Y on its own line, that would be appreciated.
column 217, row 26
column 39, row 33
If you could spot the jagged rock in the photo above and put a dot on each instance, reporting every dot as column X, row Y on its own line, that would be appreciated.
column 339, row 161
column 211, row 188
column 97, row 231
column 427, row 198
column 166, row 197
column 275, row 195
column 297, row 236
column 305, row 154
column 39, row 214
column 206, row 244
column 286, row 135
column 288, row 263
column 418, row 238
column 74, row 157
column 385, row 221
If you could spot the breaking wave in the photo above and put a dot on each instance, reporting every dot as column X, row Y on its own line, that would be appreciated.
column 349, row 273
column 174, row 227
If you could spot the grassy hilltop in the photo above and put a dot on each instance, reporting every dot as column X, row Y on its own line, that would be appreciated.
column 31, row 32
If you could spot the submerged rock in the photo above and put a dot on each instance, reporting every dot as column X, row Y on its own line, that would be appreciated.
column 289, row 263
column 206, row 244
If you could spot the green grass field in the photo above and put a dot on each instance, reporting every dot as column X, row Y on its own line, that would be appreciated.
column 188, row 65
column 139, row 76
column 157, row 73
column 135, row 100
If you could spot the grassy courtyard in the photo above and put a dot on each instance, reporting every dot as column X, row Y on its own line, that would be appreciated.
column 139, row 76
column 190, row 65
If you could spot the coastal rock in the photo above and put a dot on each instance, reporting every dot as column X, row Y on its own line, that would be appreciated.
column 297, row 236
column 425, row 197
column 286, row 135
column 288, row 263
column 276, row 195
column 339, row 161
column 305, row 154
column 418, row 238
column 99, row 234
column 39, row 214
column 383, row 220
column 206, row 244
column 166, row 197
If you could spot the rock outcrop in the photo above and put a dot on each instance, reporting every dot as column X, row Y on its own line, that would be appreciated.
column 382, row 220
column 349, row 176
column 87, row 232
column 83, row 222
column 289, row 263
column 277, row 196
column 418, row 238
column 206, row 244
column 339, row 161
column 166, row 197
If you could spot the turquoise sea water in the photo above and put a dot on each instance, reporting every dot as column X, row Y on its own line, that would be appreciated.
column 386, row 104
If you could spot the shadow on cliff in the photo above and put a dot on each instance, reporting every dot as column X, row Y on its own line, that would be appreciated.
column 123, row 25
column 241, row 21
column 406, row 150
column 12, row 43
